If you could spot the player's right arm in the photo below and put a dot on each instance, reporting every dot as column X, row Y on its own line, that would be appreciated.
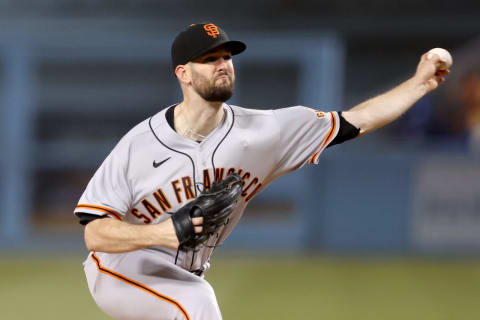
column 114, row 236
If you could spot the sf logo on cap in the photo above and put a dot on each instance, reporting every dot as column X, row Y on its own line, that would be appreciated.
column 211, row 29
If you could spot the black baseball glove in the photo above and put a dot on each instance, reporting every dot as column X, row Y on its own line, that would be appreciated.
column 214, row 205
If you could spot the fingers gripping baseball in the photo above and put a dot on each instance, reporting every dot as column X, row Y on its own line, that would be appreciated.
column 195, row 222
column 433, row 68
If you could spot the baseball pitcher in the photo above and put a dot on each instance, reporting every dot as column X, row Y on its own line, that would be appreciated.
column 176, row 184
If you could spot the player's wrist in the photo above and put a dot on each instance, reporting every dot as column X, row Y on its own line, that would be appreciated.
column 164, row 235
column 418, row 85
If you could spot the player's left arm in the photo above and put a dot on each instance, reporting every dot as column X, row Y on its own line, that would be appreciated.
column 385, row 108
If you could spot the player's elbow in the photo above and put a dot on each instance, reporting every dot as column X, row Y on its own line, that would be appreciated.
column 362, row 119
column 92, row 240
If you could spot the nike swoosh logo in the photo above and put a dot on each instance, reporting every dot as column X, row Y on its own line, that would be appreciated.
column 158, row 164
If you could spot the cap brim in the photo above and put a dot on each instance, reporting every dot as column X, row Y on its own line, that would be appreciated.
column 234, row 46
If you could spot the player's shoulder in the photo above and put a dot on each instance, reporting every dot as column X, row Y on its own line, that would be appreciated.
column 136, row 132
column 250, row 112
column 297, row 108
column 283, row 114
column 143, row 129
column 302, row 112
column 288, row 112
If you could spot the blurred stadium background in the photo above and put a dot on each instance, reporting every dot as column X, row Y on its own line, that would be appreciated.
column 386, row 227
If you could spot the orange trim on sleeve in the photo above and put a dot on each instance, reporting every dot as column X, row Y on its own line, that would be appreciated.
column 328, row 138
column 102, row 209
column 312, row 158
column 333, row 127
column 139, row 286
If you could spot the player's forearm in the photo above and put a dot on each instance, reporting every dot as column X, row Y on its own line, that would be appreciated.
column 385, row 108
column 113, row 236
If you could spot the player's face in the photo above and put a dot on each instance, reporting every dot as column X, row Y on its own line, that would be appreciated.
column 213, row 77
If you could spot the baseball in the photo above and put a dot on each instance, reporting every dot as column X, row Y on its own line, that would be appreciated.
column 445, row 57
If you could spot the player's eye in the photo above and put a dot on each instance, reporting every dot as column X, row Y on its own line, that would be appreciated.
column 227, row 57
column 210, row 59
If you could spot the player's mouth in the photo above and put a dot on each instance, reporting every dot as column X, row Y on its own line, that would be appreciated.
column 223, row 76
column 223, row 80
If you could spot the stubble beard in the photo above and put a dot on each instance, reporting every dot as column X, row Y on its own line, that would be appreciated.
column 209, row 91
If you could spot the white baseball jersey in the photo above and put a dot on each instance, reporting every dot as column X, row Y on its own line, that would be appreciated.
column 153, row 171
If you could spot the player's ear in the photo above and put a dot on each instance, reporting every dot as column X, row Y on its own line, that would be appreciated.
column 182, row 73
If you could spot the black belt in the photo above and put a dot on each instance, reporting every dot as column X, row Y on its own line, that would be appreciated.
column 198, row 272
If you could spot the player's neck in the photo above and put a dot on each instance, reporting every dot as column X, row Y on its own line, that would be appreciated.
column 196, row 119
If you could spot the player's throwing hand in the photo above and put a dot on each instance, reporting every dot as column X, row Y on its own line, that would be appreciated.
column 430, row 71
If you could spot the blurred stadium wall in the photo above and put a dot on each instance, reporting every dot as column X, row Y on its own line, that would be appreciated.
column 76, row 75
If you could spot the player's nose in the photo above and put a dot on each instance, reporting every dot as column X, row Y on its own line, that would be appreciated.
column 223, row 65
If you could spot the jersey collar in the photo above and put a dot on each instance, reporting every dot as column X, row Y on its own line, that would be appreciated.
column 172, row 139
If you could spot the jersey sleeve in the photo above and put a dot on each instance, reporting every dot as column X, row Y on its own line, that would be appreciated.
column 304, row 134
column 108, row 193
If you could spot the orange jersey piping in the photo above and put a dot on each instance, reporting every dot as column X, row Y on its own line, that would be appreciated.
column 139, row 286
column 102, row 209
column 327, row 139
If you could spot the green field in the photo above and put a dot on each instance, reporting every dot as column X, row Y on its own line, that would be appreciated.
column 274, row 288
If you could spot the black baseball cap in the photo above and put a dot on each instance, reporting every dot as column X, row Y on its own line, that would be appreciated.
column 200, row 38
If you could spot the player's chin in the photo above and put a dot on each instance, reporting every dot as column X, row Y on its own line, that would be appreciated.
column 220, row 94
